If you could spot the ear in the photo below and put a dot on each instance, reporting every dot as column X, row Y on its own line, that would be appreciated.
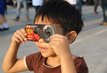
column 72, row 36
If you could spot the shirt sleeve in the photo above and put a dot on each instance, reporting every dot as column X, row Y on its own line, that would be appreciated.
column 29, row 61
column 33, row 61
column 81, row 66
column 25, row 62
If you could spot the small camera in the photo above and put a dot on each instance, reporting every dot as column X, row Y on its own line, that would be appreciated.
column 37, row 31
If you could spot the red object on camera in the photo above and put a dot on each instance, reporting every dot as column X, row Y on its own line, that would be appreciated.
column 31, row 35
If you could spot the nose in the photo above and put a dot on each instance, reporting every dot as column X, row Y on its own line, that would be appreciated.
column 41, row 40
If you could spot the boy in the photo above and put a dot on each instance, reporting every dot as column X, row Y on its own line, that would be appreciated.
column 54, row 56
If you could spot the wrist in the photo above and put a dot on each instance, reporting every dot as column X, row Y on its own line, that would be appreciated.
column 66, row 53
column 15, row 43
column 66, row 56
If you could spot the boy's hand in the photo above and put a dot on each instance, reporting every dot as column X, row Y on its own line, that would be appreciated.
column 19, row 36
column 60, row 45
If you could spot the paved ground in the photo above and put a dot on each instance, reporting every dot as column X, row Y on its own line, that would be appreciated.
column 91, row 42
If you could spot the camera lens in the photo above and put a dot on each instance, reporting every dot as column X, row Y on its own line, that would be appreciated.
column 47, row 32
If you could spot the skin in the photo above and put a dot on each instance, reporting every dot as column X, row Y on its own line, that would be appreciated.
column 52, row 50
column 3, row 18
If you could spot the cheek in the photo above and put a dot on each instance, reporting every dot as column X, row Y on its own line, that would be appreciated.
column 51, row 52
column 58, row 30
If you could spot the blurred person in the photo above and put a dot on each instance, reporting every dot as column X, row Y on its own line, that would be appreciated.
column 14, row 3
column 72, row 2
column 3, row 20
column 45, row 1
column 79, row 6
column 19, row 6
column 37, row 4
column 96, row 3
column 54, row 56
column 104, row 10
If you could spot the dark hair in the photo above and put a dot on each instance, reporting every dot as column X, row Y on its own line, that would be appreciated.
column 62, row 13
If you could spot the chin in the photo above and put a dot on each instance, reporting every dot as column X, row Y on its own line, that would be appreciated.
column 45, row 55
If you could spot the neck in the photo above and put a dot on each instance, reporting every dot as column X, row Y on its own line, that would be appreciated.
column 53, row 61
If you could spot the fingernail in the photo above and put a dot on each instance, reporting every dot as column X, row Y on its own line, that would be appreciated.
column 25, row 34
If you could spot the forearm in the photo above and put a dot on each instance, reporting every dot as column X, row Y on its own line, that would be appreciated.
column 11, row 56
column 67, row 64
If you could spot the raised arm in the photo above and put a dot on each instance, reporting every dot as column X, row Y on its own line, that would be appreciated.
column 61, row 47
column 11, row 64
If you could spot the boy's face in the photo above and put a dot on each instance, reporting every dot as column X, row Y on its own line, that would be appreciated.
column 45, row 49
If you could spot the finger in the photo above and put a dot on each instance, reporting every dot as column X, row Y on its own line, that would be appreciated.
column 56, row 36
column 42, row 45
column 58, row 39
column 14, row 38
column 17, row 35
column 17, row 40
column 53, row 45
column 23, row 34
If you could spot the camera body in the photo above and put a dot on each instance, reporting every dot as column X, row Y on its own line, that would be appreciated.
column 37, row 31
